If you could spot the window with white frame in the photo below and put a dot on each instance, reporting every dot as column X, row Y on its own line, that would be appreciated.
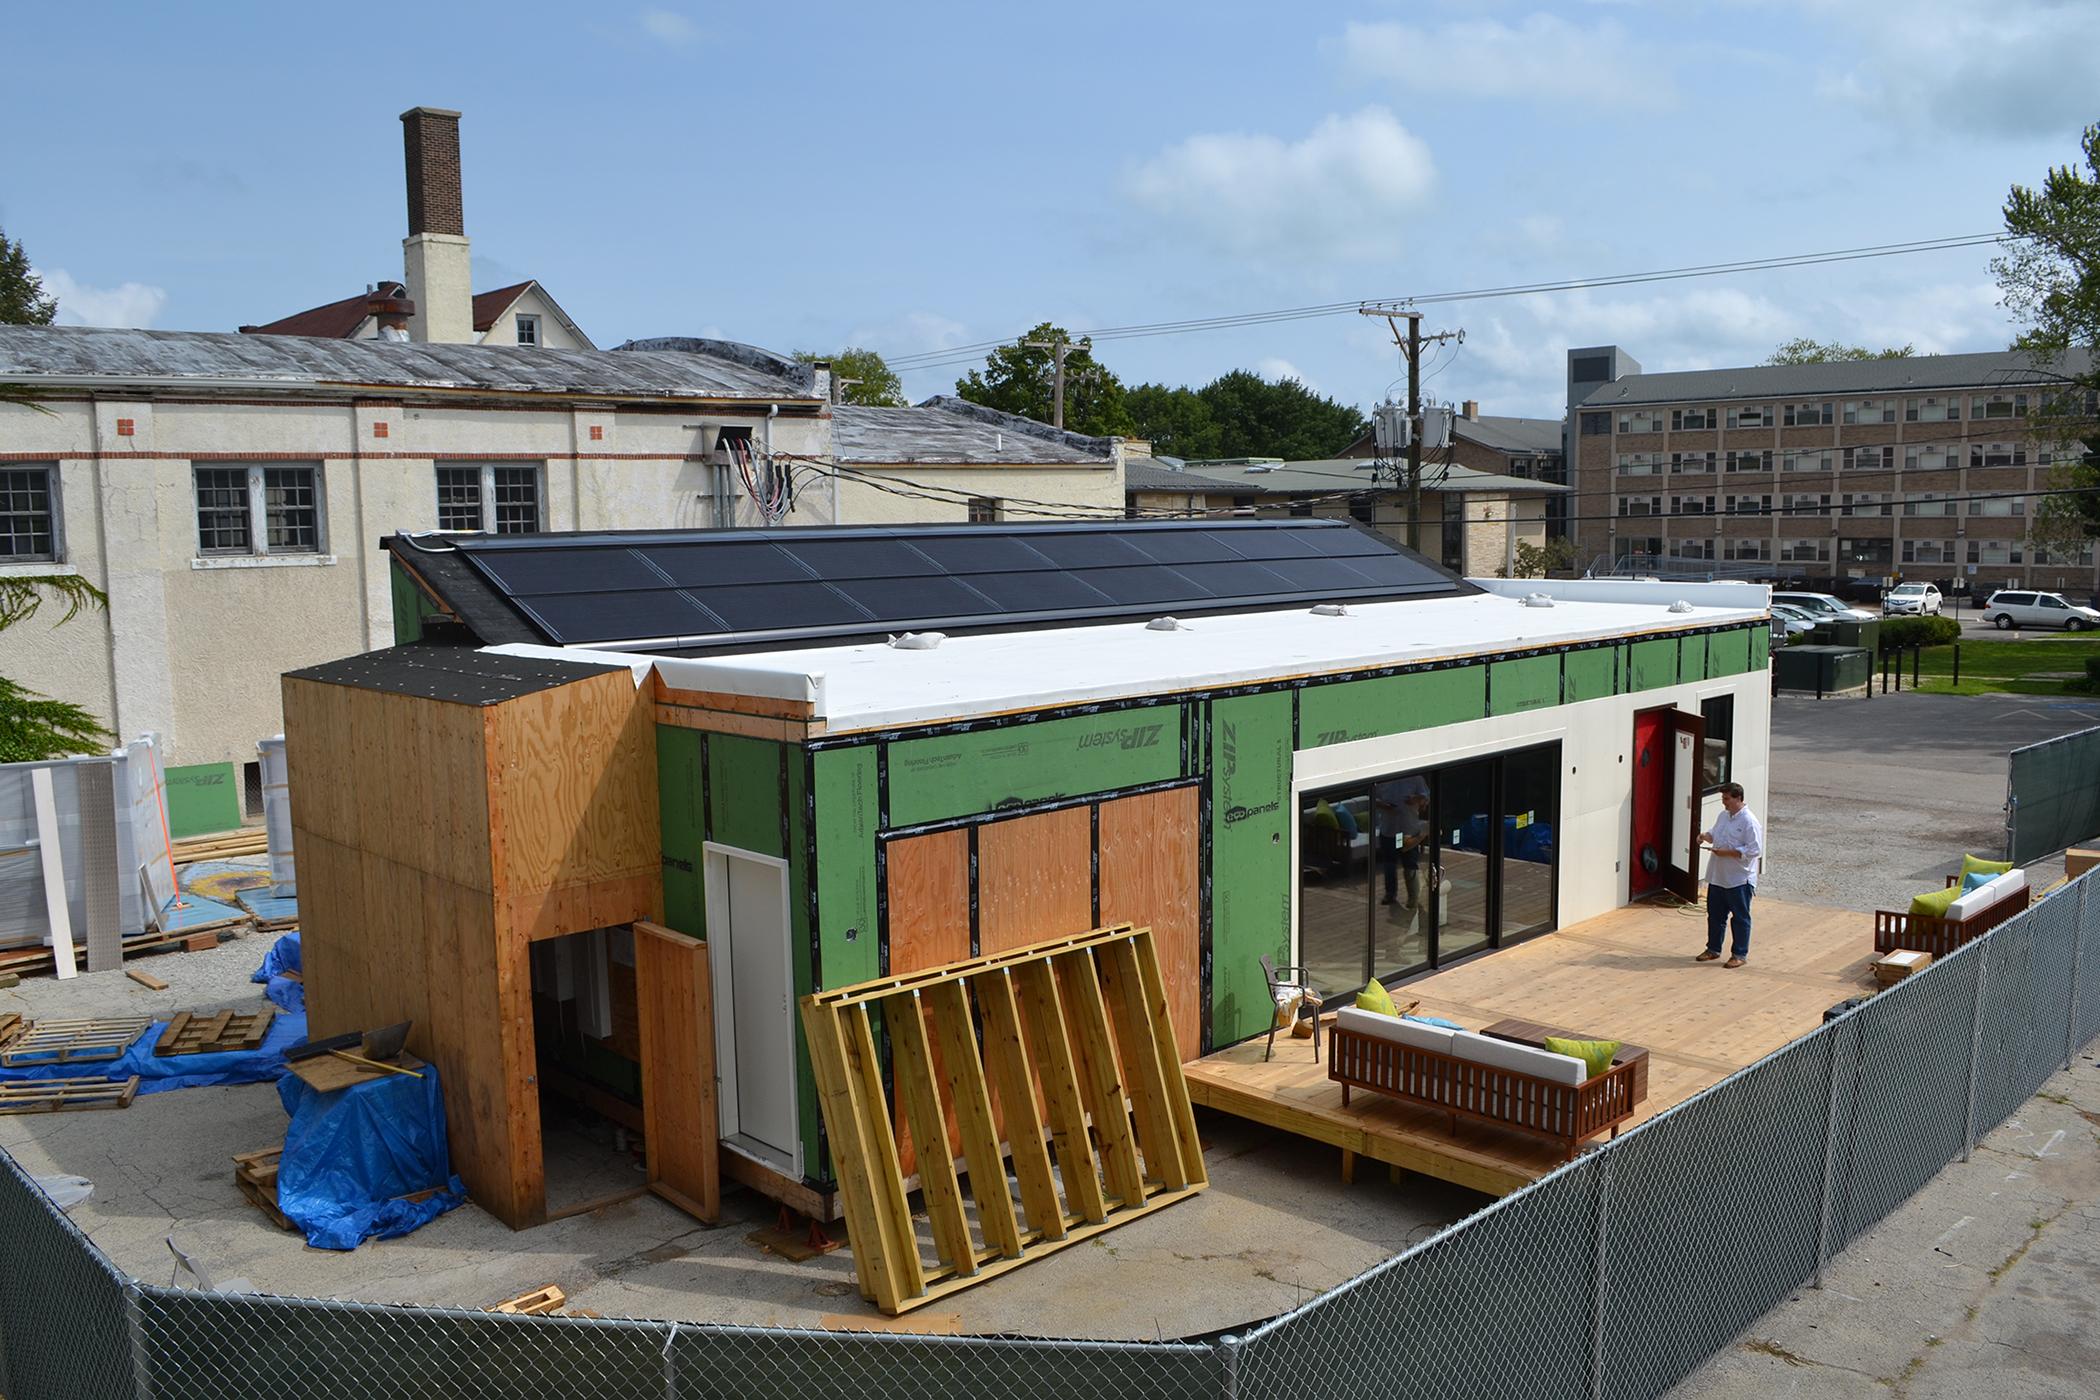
column 1640, row 505
column 528, row 330
column 1928, row 551
column 1747, row 549
column 1692, row 419
column 29, row 515
column 1639, row 463
column 1799, row 551
column 1749, row 505
column 1870, row 458
column 1749, row 461
column 1692, row 463
column 1691, row 505
column 1997, row 454
column 987, row 510
column 1808, row 415
column 1932, row 409
column 1806, row 461
column 490, row 497
column 1692, row 549
column 1867, row 551
column 1870, row 411
column 1927, row 504
column 1751, row 416
column 1864, row 503
column 1804, row 503
column 1932, row 457
column 1999, row 406
column 1995, row 552
column 1997, row 505
column 1641, row 420
column 259, row 509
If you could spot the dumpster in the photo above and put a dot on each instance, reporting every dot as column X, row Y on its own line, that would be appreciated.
column 1824, row 670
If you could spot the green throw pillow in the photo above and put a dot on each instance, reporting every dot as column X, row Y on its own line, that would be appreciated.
column 1934, row 905
column 1594, row 1053
column 1971, row 864
column 1376, row 998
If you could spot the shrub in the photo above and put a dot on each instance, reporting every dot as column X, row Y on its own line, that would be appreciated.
column 2092, row 673
column 1903, row 633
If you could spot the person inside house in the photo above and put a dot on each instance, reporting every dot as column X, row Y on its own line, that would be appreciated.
column 1400, row 810
column 1736, row 846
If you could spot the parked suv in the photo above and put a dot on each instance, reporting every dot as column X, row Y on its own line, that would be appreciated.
column 1823, row 607
column 2019, row 608
column 1912, row 599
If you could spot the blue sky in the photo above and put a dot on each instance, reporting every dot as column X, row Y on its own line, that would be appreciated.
column 914, row 178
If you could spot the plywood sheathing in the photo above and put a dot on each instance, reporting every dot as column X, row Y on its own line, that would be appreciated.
column 436, row 841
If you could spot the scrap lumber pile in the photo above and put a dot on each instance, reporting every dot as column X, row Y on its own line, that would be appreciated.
column 56, row 1095
column 220, row 1033
column 229, row 845
column 71, row 1041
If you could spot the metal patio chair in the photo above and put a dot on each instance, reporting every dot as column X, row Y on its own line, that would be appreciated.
column 1298, row 978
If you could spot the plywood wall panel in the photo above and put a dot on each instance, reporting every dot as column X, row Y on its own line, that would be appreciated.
column 1149, row 878
column 929, row 901
column 1034, row 879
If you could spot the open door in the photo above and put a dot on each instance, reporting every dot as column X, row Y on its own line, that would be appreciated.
column 674, row 1003
column 1687, row 737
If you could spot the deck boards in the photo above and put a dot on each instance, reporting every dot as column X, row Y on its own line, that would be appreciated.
column 1627, row 975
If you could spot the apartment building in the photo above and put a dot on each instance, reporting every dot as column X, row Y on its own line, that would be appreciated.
column 1921, row 468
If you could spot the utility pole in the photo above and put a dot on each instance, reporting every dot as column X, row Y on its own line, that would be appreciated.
column 1411, row 346
column 1057, row 349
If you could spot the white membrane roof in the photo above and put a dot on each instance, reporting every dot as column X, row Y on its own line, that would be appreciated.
column 876, row 686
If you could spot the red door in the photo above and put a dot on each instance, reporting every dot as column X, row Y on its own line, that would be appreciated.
column 1651, row 787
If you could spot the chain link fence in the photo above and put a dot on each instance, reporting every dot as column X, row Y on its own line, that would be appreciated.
column 2052, row 795
column 1616, row 1276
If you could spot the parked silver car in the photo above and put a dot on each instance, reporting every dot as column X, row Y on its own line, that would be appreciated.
column 2016, row 607
column 1911, row 600
column 1823, row 607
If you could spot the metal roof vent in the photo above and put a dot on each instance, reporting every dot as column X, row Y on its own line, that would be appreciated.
column 1166, row 624
column 918, row 641
column 1330, row 610
column 1537, row 600
column 1680, row 606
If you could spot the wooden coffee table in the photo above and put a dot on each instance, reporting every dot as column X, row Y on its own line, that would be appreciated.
column 1533, row 1034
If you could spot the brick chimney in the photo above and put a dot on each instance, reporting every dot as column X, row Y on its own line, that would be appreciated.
column 439, row 270
column 1470, row 410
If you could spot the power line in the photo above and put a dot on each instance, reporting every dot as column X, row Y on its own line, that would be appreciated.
column 959, row 354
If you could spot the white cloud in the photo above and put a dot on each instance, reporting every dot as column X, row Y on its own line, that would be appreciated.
column 670, row 27
column 131, row 304
column 913, row 333
column 1992, row 67
column 1542, row 57
column 1339, row 194
column 1276, row 369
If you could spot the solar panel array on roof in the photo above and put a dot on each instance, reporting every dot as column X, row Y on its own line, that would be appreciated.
column 709, row 589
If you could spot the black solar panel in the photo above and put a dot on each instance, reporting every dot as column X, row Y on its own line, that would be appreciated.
column 695, row 589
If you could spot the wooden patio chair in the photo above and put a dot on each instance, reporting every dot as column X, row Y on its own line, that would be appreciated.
column 1297, row 977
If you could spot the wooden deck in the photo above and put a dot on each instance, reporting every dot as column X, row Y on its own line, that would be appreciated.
column 1628, row 975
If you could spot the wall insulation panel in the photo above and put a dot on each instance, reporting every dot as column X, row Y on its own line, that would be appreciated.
column 953, row 775
column 1691, row 658
column 1348, row 710
column 799, row 957
column 1651, row 664
column 1250, row 743
column 744, row 792
column 1592, row 674
column 848, row 946
column 1732, row 653
column 1526, row 683
column 679, row 793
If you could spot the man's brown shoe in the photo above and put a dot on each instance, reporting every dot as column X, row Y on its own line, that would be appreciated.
column 1735, row 962
column 1706, row 957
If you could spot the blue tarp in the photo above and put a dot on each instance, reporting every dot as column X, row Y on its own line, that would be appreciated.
column 349, row 1152
column 158, row 1072
column 283, row 957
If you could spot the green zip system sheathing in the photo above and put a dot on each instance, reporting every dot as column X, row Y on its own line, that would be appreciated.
column 827, row 809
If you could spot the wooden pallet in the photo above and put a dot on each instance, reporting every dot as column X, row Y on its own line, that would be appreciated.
column 1046, row 1013
column 255, row 1173
column 66, row 1095
column 73, row 1041
column 540, row 1302
column 219, row 1033
column 34, row 960
column 10, row 1026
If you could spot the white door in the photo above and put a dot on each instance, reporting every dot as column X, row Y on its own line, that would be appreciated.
column 748, row 936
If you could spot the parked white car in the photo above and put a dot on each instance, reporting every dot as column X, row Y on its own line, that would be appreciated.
column 1792, row 619
column 2019, row 608
column 1823, row 607
column 1911, row 600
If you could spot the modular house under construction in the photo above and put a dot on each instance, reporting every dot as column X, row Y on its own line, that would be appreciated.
column 617, row 800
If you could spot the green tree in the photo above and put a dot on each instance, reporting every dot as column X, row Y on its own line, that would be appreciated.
column 2049, row 276
column 1804, row 351
column 33, row 726
column 1177, row 421
column 873, row 383
column 23, row 300
column 1020, row 378
column 1256, row 417
column 1537, row 561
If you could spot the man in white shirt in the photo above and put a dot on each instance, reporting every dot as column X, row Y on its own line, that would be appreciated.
column 1737, row 847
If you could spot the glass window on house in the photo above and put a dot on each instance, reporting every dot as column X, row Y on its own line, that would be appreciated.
column 1751, row 416
column 1870, row 411
column 1596, row 424
column 1997, row 454
column 1808, row 415
column 1931, row 409
column 1932, row 457
column 1691, row 419
column 1641, row 420
column 985, row 510
column 29, row 514
column 259, row 510
column 2001, row 406
column 1807, row 462
column 1719, row 713
column 492, row 498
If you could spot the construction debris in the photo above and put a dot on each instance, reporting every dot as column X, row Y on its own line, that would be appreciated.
column 72, row 1041
column 218, row 1033
column 61, row 1095
column 146, row 980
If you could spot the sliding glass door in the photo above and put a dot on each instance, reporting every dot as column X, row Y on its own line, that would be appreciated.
column 1414, row 870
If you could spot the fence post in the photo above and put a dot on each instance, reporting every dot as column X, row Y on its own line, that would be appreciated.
column 141, row 1377
column 2077, row 949
column 1830, row 1118
column 1915, row 652
column 1598, row 1282
column 671, row 1363
column 1983, row 968
column 1230, row 1345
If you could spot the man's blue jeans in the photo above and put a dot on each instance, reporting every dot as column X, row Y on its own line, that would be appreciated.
column 1723, row 905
